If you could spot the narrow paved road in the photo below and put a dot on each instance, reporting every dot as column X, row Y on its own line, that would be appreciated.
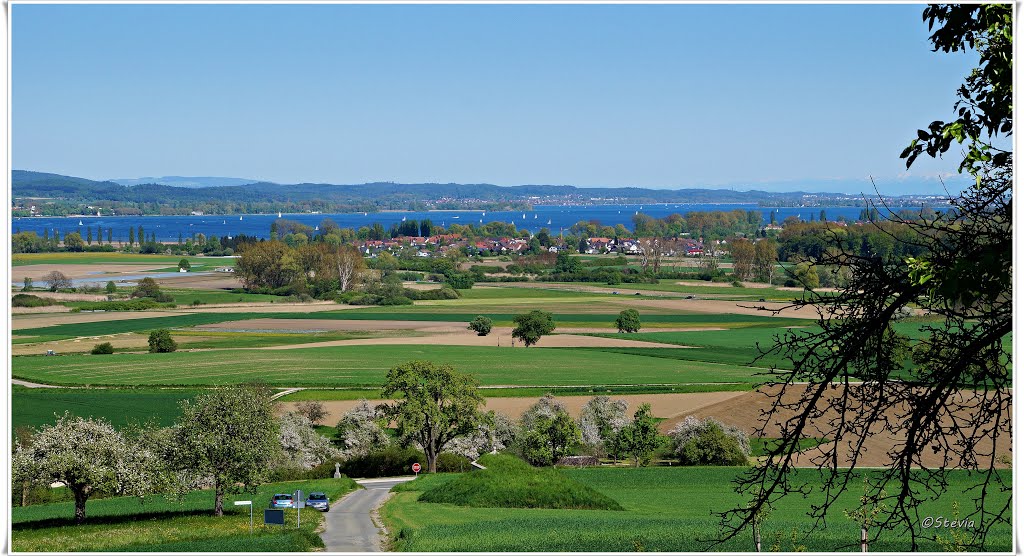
column 348, row 527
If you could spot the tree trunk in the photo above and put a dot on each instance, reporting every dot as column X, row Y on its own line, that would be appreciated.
column 218, row 505
column 431, row 460
column 81, row 496
column 24, row 493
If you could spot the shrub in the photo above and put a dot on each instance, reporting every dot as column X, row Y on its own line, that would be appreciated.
column 102, row 349
column 481, row 325
column 460, row 280
column 111, row 287
column 27, row 300
column 388, row 462
column 709, row 442
column 160, row 341
column 453, row 463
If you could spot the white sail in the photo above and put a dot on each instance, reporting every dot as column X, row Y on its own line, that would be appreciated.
column 279, row 215
column 239, row 217
column 79, row 222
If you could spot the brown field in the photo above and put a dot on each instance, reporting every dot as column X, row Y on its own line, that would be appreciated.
column 333, row 325
column 129, row 340
column 662, row 405
column 37, row 321
column 744, row 411
column 724, row 307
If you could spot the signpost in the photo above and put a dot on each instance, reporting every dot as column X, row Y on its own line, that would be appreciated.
column 416, row 468
column 299, row 504
column 246, row 503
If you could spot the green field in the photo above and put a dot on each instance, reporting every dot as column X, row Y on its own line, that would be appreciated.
column 165, row 525
column 367, row 365
column 416, row 313
column 667, row 509
column 33, row 407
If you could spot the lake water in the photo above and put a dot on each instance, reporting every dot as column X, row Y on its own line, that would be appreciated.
column 167, row 228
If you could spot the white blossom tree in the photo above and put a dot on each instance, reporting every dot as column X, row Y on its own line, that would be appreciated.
column 301, row 446
column 600, row 420
column 690, row 427
column 360, row 431
column 494, row 433
column 89, row 456
column 230, row 436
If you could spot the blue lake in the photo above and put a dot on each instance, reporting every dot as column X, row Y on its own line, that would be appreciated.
column 168, row 228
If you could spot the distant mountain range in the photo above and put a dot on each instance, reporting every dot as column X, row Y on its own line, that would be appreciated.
column 182, row 181
column 179, row 195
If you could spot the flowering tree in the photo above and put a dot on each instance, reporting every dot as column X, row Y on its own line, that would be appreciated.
column 230, row 436
column 301, row 446
column 548, row 432
column 600, row 420
column 89, row 456
column 360, row 431
column 494, row 433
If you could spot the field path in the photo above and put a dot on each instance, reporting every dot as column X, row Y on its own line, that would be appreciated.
column 28, row 384
column 348, row 527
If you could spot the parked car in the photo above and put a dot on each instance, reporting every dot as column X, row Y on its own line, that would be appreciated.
column 318, row 501
column 282, row 501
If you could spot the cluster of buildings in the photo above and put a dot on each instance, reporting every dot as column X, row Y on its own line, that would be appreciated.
column 441, row 244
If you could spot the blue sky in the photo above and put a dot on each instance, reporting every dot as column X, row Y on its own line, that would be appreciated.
column 751, row 97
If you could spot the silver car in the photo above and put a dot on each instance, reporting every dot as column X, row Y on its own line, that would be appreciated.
column 318, row 501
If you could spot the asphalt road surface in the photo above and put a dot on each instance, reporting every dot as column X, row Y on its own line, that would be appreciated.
column 348, row 527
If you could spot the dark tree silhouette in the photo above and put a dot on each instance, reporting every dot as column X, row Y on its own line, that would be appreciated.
column 943, row 394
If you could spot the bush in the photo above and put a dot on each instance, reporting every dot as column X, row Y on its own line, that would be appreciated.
column 160, row 341
column 453, row 463
column 389, row 462
column 27, row 300
column 410, row 276
column 709, row 442
column 460, row 280
column 481, row 325
column 144, row 304
column 102, row 349
column 441, row 293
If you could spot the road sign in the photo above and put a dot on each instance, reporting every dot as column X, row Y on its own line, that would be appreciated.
column 273, row 517
column 416, row 468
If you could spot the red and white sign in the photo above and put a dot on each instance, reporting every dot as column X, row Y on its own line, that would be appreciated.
column 416, row 468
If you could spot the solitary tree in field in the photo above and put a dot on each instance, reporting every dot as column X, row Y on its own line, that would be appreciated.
column 56, row 280
column 183, row 264
column 27, row 285
column 531, row 326
column 481, row 325
column 230, row 436
column 944, row 394
column 89, row 456
column 312, row 410
column 111, row 287
column 628, row 321
column 160, row 341
column 436, row 404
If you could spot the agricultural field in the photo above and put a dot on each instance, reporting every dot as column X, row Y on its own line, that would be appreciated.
column 666, row 509
column 162, row 524
column 366, row 365
column 157, row 261
column 33, row 407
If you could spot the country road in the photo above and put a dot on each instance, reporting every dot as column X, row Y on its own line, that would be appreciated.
column 348, row 527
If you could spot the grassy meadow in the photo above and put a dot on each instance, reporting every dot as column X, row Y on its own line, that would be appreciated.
column 161, row 524
column 170, row 261
column 666, row 509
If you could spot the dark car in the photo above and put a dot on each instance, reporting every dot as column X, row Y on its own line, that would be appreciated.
column 282, row 501
column 318, row 501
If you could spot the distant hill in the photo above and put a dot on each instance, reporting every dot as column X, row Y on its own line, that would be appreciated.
column 226, row 196
column 183, row 181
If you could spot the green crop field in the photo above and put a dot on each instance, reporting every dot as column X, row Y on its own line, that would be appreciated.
column 667, row 509
column 718, row 289
column 165, row 525
column 33, row 407
column 406, row 313
column 187, row 297
column 503, row 292
column 367, row 365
